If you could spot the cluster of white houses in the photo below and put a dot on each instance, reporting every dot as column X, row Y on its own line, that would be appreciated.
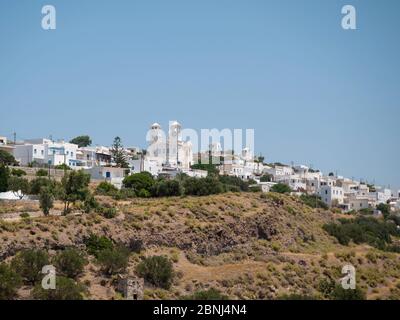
column 168, row 155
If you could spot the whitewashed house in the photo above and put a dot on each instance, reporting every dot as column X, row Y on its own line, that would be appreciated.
column 331, row 195
column 46, row 151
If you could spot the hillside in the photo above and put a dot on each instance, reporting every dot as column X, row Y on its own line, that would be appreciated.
column 245, row 245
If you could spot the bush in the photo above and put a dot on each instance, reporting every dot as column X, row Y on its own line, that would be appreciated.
column 267, row 177
column 9, row 282
column 280, row 188
column 255, row 189
column 63, row 167
column 37, row 184
column 342, row 294
column 313, row 201
column 42, row 173
column 18, row 172
column 4, row 176
column 46, row 200
column 384, row 208
column 210, row 294
column 109, row 213
column 90, row 203
column 363, row 230
column 19, row 186
column 113, row 260
column 95, row 244
column 124, row 194
column 70, row 262
column 106, row 188
column 230, row 181
column 157, row 270
column 29, row 263
column 7, row 159
column 139, row 181
column 143, row 193
column 167, row 188
column 202, row 186
column 66, row 289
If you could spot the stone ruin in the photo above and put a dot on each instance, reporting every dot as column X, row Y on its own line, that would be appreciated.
column 131, row 288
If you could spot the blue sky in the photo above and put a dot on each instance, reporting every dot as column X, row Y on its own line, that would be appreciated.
column 314, row 93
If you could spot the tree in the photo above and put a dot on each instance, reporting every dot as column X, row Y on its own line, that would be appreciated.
column 82, row 141
column 95, row 244
column 280, row 188
column 167, row 188
column 113, row 260
column 74, row 188
column 4, row 176
column 70, row 262
column 157, row 270
column 118, row 153
column 210, row 294
column 46, row 200
column 42, row 173
column 19, row 186
column 139, row 181
column 9, row 282
column 29, row 263
column 267, row 177
column 66, row 289
column 384, row 208
column 7, row 159
column 18, row 172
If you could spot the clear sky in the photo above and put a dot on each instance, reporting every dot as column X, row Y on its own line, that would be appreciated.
column 314, row 93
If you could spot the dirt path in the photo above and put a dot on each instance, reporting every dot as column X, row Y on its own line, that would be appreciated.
column 16, row 216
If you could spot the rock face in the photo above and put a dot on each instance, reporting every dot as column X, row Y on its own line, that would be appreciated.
column 213, row 228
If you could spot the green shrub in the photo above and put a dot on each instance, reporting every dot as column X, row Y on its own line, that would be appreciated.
column 363, row 230
column 42, row 173
column 313, row 201
column 167, row 188
column 29, row 263
column 18, row 172
column 113, row 260
column 202, row 186
column 139, row 181
column 4, row 176
column 280, row 188
column 210, row 294
column 342, row 294
column 109, row 213
column 10, row 281
column 63, row 167
column 46, row 200
column 106, row 188
column 70, row 262
column 157, row 270
column 95, row 244
column 66, row 289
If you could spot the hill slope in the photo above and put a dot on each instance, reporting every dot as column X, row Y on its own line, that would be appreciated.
column 246, row 245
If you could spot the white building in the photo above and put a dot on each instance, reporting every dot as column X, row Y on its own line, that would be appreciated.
column 169, row 150
column 331, row 195
column 278, row 172
column 97, row 156
column 45, row 151
column 112, row 175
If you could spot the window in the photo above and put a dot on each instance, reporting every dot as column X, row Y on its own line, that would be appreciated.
column 326, row 191
column 34, row 151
